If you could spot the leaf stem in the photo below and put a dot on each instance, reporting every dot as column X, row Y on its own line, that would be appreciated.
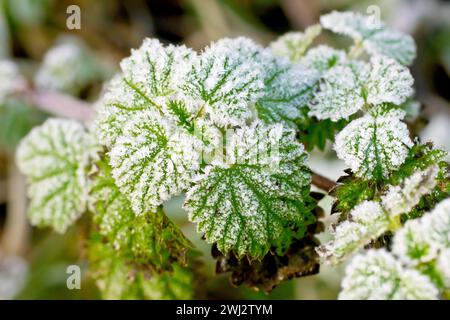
column 322, row 182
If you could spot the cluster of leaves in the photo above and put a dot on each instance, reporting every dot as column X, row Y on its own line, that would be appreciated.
column 417, row 268
column 225, row 127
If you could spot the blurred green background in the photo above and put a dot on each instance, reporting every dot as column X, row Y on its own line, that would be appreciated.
column 33, row 262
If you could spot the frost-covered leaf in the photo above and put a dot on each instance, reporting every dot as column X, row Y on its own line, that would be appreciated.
column 377, row 275
column 374, row 145
column 255, row 199
column 227, row 78
column 118, row 279
column 11, row 80
column 293, row 45
column 340, row 92
column 437, row 224
column 387, row 81
column 288, row 89
column 67, row 67
column 153, row 160
column 443, row 266
column 412, row 245
column 323, row 58
column 151, row 74
column 421, row 240
column 346, row 88
column 366, row 222
column 150, row 238
column 402, row 198
column 53, row 158
column 375, row 36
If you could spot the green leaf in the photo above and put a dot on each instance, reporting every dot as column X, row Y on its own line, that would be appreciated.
column 346, row 88
column 288, row 89
column 258, row 197
column 323, row 58
column 227, row 78
column 53, row 158
column 153, row 160
column 150, row 238
column 379, row 276
column 373, row 35
column 340, row 92
column 375, row 145
column 293, row 45
column 150, row 75
column 118, row 279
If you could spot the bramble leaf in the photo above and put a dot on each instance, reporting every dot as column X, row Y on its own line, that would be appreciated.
column 346, row 88
column 366, row 222
column 293, row 45
column 53, row 156
column 340, row 92
column 150, row 75
column 153, row 160
column 288, row 89
column 377, row 275
column 249, row 203
column 118, row 279
column 374, row 145
column 375, row 36
column 227, row 78
column 150, row 238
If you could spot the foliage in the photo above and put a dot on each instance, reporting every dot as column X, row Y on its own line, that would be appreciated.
column 225, row 127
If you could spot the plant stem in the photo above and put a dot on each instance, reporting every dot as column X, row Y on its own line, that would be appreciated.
column 58, row 104
column 322, row 182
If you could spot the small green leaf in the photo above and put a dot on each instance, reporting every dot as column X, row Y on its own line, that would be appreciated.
column 153, row 160
column 118, row 279
column 227, row 78
column 340, row 92
column 53, row 157
column 288, row 89
column 374, row 35
column 377, row 275
column 293, row 45
column 150, row 75
column 375, row 145
column 150, row 238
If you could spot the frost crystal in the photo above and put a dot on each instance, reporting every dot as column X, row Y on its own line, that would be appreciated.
column 53, row 157
column 67, row 67
column 246, row 204
column 366, row 222
column 375, row 37
column 153, row 160
column 288, row 89
column 151, row 75
column 293, row 45
column 10, row 79
column 375, row 144
column 403, row 198
column 227, row 78
column 377, row 275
